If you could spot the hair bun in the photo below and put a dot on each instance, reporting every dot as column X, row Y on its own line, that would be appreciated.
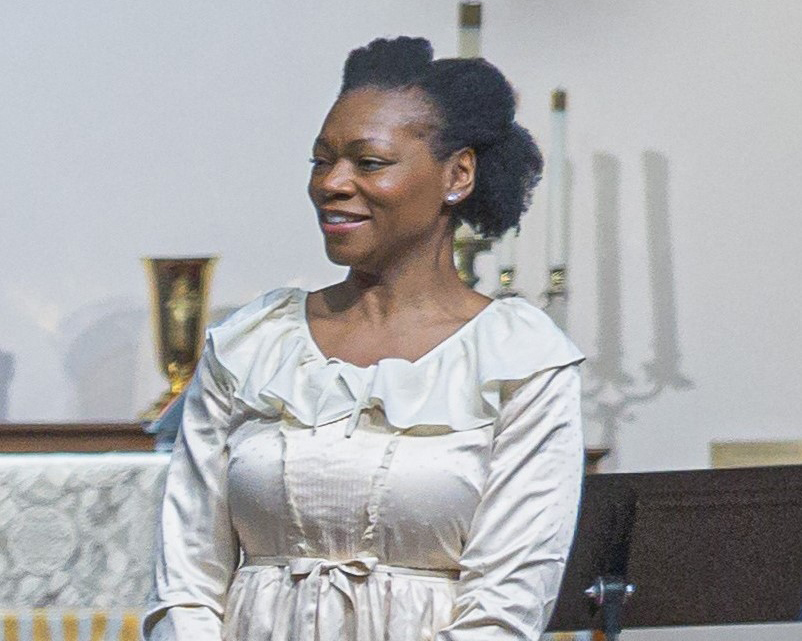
column 387, row 62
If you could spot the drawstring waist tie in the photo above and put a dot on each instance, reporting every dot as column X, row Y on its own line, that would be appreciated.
column 300, row 567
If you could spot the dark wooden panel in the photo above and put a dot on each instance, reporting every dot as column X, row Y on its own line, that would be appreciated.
column 19, row 438
column 704, row 547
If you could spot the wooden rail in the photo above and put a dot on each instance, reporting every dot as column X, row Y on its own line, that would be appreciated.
column 19, row 438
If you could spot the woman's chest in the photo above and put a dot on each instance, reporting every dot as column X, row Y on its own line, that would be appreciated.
column 364, row 491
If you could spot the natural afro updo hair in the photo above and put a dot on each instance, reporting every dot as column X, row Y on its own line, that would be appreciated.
column 476, row 108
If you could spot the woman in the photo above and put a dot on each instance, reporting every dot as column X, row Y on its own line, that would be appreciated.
column 396, row 456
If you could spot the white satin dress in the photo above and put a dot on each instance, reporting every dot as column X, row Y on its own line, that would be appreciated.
column 309, row 499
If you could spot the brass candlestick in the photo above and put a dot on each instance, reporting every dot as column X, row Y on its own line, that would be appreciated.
column 179, row 292
column 557, row 284
column 466, row 246
column 557, row 296
column 506, row 279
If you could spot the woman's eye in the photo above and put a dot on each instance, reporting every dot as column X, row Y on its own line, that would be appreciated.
column 371, row 164
column 317, row 162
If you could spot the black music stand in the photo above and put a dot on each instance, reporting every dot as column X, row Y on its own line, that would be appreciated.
column 701, row 547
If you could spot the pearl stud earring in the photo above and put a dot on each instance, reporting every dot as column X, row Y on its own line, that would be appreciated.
column 452, row 198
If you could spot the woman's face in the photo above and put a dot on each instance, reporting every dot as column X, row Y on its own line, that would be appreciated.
column 376, row 185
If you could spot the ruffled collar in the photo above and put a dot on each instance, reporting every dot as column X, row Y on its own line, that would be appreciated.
column 276, row 366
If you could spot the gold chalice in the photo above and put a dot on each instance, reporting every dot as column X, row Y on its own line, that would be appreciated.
column 179, row 292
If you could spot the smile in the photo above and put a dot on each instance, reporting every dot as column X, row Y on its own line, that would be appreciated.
column 339, row 217
column 339, row 222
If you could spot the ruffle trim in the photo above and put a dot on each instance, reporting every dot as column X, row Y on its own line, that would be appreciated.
column 276, row 367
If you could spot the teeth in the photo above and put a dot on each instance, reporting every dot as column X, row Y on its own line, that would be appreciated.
column 335, row 219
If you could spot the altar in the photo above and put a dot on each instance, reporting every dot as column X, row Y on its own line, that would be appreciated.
column 76, row 549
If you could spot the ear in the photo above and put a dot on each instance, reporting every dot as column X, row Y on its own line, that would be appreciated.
column 460, row 176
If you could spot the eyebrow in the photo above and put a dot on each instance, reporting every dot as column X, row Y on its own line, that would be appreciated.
column 322, row 142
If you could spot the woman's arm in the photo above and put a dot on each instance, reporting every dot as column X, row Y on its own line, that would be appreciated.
column 196, row 548
column 515, row 555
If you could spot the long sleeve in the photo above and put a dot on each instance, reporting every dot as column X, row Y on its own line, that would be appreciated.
column 514, row 558
column 196, row 548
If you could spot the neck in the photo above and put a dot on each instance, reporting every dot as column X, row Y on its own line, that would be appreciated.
column 423, row 278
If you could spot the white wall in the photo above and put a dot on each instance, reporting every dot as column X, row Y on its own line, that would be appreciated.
column 157, row 128
column 714, row 91
column 183, row 128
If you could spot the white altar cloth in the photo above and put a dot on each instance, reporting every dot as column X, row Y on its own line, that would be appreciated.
column 76, row 530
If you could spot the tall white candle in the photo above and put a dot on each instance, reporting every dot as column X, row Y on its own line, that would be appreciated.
column 505, row 253
column 557, row 223
column 470, row 29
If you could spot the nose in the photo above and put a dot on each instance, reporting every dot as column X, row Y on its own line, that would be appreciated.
column 334, row 181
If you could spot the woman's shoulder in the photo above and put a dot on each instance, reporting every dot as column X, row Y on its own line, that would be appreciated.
column 256, row 328
column 254, row 311
column 516, row 342
column 516, row 339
